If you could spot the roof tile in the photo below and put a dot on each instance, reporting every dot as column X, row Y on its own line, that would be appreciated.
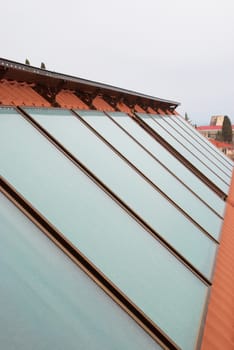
column 219, row 328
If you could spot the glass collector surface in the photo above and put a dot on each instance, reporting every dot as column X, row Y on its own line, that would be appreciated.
column 211, row 148
column 48, row 302
column 104, row 232
column 156, row 173
column 196, row 148
column 183, row 151
column 172, row 163
column 130, row 187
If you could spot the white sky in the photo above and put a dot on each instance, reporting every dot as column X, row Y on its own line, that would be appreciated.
column 181, row 50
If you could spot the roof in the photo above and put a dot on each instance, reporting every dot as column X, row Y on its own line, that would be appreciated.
column 14, row 70
column 211, row 127
column 114, row 214
column 219, row 326
column 221, row 144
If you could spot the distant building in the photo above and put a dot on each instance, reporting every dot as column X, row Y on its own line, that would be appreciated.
column 210, row 131
column 217, row 120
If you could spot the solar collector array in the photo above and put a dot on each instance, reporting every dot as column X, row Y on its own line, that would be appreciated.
column 101, row 214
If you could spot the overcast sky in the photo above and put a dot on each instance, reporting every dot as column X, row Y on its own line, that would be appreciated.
column 181, row 50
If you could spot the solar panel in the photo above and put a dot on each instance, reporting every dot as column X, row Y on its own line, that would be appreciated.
column 139, row 195
column 144, row 162
column 119, row 246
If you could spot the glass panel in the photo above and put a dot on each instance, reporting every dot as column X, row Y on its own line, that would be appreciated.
column 207, row 144
column 78, row 139
column 48, row 302
column 154, row 171
column 184, row 152
column 132, row 259
column 195, row 136
column 196, row 149
column 172, row 163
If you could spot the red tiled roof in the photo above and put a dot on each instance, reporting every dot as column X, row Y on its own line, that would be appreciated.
column 219, row 327
column 160, row 111
column 138, row 109
column 211, row 127
column 151, row 110
column 220, row 144
column 101, row 105
column 13, row 93
column 67, row 99
column 122, row 107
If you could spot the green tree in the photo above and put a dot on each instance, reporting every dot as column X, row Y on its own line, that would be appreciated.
column 227, row 130
column 186, row 117
column 189, row 120
column 219, row 136
column 43, row 65
column 27, row 62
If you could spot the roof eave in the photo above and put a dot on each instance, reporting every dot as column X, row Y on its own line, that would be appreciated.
column 31, row 73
